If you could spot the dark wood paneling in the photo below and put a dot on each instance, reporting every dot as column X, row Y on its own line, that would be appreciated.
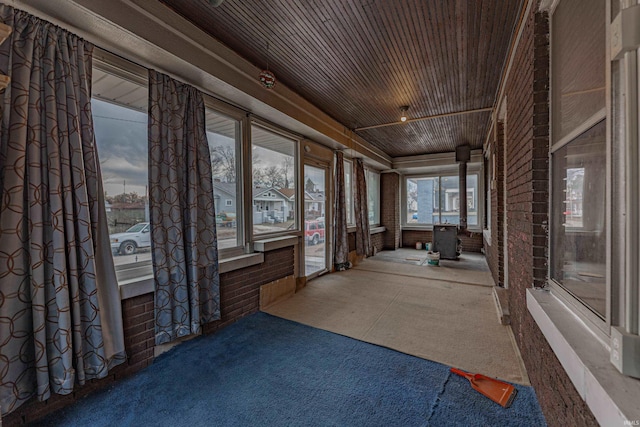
column 359, row 61
column 430, row 136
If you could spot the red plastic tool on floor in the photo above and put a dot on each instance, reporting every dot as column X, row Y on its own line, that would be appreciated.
column 496, row 390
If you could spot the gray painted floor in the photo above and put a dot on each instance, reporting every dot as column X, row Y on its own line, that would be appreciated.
column 446, row 313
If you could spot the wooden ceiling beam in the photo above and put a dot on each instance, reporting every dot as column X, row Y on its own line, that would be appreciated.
column 420, row 119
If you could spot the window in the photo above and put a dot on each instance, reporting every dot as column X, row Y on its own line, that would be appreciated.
column 223, row 135
column 578, row 235
column 488, row 174
column 373, row 196
column 119, row 108
column 436, row 200
column 472, row 200
column 594, row 209
column 274, row 163
column 348, row 189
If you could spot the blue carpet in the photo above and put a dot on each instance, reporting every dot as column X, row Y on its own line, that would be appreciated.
column 267, row 371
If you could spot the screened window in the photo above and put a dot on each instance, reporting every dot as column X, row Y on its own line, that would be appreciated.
column 373, row 196
column 274, row 163
column 578, row 176
column 223, row 135
column 578, row 74
column 436, row 200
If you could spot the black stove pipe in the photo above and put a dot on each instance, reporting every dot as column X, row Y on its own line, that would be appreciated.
column 463, row 155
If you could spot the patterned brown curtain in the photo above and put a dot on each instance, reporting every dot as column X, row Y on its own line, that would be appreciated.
column 60, row 312
column 183, row 226
column 361, row 207
column 341, row 252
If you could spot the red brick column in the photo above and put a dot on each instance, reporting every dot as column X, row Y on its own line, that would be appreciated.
column 390, row 209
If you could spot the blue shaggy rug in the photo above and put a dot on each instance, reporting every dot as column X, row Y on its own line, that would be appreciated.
column 267, row 371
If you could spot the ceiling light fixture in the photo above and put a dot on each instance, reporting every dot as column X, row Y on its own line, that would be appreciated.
column 266, row 77
column 403, row 109
column 215, row 3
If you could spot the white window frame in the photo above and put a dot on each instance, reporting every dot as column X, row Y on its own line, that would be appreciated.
column 297, row 177
column 223, row 109
column 476, row 169
column 599, row 326
column 367, row 173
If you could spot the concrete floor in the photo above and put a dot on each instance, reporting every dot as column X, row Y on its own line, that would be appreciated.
column 442, row 313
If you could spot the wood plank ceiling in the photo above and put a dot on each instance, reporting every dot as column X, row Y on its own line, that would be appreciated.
column 361, row 60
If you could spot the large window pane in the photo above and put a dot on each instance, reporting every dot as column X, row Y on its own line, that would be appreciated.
column 472, row 199
column 449, row 200
column 421, row 200
column 436, row 200
column 223, row 135
column 578, row 218
column 274, row 182
column 348, row 189
column 373, row 195
column 120, row 123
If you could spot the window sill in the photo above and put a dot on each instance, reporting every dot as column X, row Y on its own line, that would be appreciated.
column 472, row 229
column 142, row 285
column 240, row 261
column 611, row 396
column 372, row 230
column 266, row 245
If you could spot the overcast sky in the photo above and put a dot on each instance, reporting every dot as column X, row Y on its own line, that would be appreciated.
column 121, row 136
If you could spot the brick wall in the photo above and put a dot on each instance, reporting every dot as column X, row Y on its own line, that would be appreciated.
column 378, row 242
column 471, row 243
column 240, row 289
column 494, row 250
column 239, row 296
column 390, row 209
column 527, row 171
column 139, row 342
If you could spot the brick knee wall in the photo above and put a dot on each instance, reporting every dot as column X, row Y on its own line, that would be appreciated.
column 527, row 139
column 239, row 296
column 377, row 242
column 240, row 289
column 139, row 342
column 471, row 243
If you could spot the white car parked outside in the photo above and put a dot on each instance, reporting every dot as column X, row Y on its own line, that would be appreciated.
column 130, row 241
